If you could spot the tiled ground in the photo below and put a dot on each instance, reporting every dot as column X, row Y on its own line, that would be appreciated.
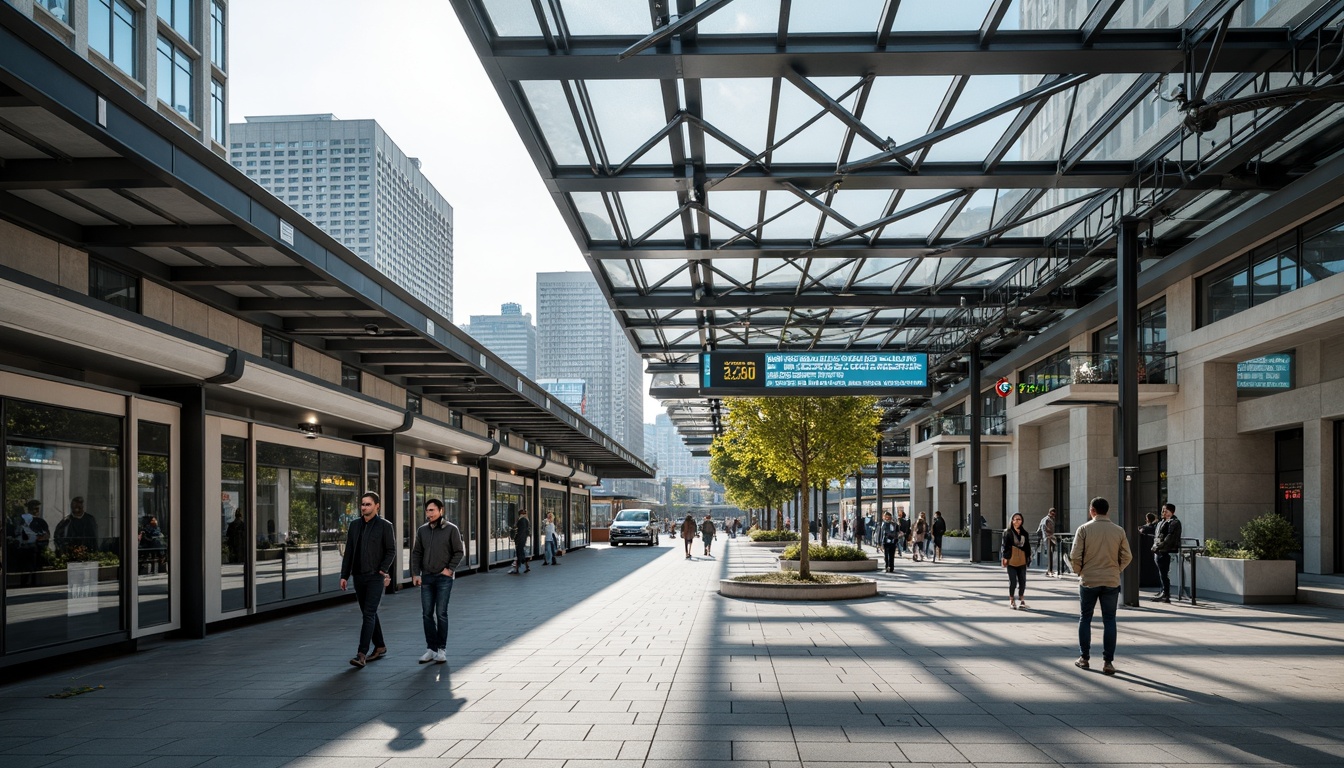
column 629, row 657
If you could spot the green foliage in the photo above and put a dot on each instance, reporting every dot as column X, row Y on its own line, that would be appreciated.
column 1269, row 537
column 793, row 577
column 1226, row 549
column 770, row 534
column 78, row 554
column 806, row 441
column 835, row 553
column 958, row 533
column 745, row 481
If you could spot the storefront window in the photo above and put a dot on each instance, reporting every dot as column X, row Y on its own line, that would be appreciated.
column 506, row 499
column 305, row 502
column 62, row 482
column 552, row 502
column 154, row 521
column 234, row 525
column 578, row 520
column 451, row 489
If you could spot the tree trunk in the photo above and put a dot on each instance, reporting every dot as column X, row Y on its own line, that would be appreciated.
column 804, row 530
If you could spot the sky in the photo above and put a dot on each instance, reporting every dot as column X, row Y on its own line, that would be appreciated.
column 413, row 71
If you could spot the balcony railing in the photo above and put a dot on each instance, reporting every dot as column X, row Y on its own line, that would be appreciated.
column 1096, row 368
column 996, row 424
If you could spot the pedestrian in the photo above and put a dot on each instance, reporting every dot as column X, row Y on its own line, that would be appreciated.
column 552, row 542
column 939, row 528
column 707, row 532
column 903, row 524
column 1167, row 540
column 1046, row 531
column 370, row 549
column 921, row 532
column 1015, row 553
column 437, row 552
column 1100, row 552
column 888, row 535
column 688, row 533
column 522, row 531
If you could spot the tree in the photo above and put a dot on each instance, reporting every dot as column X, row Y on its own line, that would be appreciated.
column 745, row 481
column 809, row 440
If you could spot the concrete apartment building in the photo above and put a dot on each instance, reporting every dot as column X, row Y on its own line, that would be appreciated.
column 510, row 334
column 578, row 338
column 170, row 53
column 353, row 181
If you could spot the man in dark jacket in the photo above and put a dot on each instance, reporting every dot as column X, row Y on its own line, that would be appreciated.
column 522, row 531
column 1166, row 540
column 939, row 528
column 370, row 548
column 437, row 552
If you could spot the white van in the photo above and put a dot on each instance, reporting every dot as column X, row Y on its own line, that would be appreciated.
column 634, row 525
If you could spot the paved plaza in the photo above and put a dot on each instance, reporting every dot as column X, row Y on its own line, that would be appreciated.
column 629, row 657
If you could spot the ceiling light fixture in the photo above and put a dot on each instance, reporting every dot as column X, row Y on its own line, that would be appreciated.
column 310, row 429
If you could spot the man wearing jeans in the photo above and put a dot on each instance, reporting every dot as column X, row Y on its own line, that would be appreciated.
column 437, row 552
column 370, row 547
column 1100, row 552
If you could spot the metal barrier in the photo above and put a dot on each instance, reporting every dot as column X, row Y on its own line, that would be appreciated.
column 1190, row 549
column 1063, row 543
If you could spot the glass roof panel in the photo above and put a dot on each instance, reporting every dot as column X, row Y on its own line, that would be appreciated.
column 832, row 273
column 629, row 113
column 799, row 222
column 513, row 18
column 607, row 17
column 830, row 16
column 737, row 207
column 740, row 108
column 742, row 17
column 551, row 110
column 974, row 217
column 1047, row 225
column 820, row 141
column 646, row 336
column 618, row 273
column 1146, row 14
column 1062, row 14
column 645, row 209
column 1328, row 117
column 860, row 206
column 1095, row 99
column 656, row 269
column 593, row 212
column 776, row 273
column 739, row 270
column 1041, row 140
column 936, row 15
column 972, row 144
column 879, row 272
column 924, row 274
column 902, row 108
column 984, row 272
column 917, row 224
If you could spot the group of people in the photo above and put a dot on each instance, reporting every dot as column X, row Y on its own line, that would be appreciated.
column 705, row 528
column 371, row 550
column 923, row 538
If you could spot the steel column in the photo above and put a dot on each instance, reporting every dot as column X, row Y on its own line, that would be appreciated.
column 973, row 457
column 1127, row 442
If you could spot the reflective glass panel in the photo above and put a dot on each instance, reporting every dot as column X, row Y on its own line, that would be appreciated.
column 607, row 17
column 234, row 525
column 934, row 15
column 513, row 18
column 556, row 120
column 829, row 16
column 154, row 521
column 629, row 113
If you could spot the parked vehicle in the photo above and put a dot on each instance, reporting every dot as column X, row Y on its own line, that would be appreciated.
column 634, row 525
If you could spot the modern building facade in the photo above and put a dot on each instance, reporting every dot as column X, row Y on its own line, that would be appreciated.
column 171, row 54
column 195, row 399
column 577, row 338
column 353, row 181
column 665, row 447
column 511, row 335
column 571, row 392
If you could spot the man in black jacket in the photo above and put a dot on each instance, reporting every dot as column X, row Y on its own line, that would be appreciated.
column 370, row 548
column 1166, row 540
column 522, row 531
column 437, row 552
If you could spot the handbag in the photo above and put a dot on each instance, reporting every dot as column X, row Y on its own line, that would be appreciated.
column 1018, row 558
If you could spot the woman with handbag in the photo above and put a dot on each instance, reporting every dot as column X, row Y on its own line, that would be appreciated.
column 917, row 538
column 1015, row 553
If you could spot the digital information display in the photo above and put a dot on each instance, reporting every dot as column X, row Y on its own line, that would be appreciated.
column 1274, row 372
column 790, row 373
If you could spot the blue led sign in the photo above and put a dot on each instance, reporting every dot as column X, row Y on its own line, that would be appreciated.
column 815, row 372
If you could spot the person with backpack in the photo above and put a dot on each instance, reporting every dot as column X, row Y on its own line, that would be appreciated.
column 688, row 533
column 921, row 531
column 939, row 528
column 707, row 532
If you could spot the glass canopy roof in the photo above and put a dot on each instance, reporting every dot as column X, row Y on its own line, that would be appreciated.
column 895, row 174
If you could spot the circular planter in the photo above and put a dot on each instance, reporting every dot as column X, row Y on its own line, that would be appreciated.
column 760, row 591
column 832, row 566
column 780, row 545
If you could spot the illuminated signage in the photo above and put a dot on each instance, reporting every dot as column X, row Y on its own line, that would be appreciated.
column 787, row 373
column 1271, row 372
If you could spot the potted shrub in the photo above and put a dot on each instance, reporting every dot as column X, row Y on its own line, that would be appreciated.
column 773, row 539
column 1254, row 571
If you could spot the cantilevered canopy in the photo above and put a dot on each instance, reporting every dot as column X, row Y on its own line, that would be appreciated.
column 903, row 175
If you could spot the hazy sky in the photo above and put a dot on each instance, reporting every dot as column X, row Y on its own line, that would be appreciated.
column 409, row 66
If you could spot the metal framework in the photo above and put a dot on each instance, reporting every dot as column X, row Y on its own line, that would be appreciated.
column 880, row 175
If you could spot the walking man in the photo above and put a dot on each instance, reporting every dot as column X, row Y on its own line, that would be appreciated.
column 370, row 547
column 1166, row 540
column 1100, row 552
column 688, row 533
column 437, row 552
column 1047, row 532
column 522, row 531
column 939, row 528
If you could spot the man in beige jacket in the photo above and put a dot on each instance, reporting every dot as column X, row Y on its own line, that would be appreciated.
column 1100, row 552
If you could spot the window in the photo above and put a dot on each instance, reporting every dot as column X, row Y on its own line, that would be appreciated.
column 118, row 288
column 112, row 26
column 350, row 377
column 155, row 520
column 219, row 122
column 177, row 13
column 413, row 403
column 57, row 8
column 277, row 350
column 175, row 75
column 1048, row 374
column 217, row 33
column 1152, row 341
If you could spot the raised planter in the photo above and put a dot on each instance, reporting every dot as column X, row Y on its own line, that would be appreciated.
column 760, row 591
column 1245, row 582
column 780, row 545
column 957, row 546
column 832, row 566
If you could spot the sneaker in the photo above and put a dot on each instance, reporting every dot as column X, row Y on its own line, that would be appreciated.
column 428, row 657
column 1012, row 605
column 1157, row 598
column 528, row 569
column 377, row 654
column 1108, row 668
column 1022, row 606
column 440, row 656
column 514, row 572
column 1081, row 663
column 359, row 661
